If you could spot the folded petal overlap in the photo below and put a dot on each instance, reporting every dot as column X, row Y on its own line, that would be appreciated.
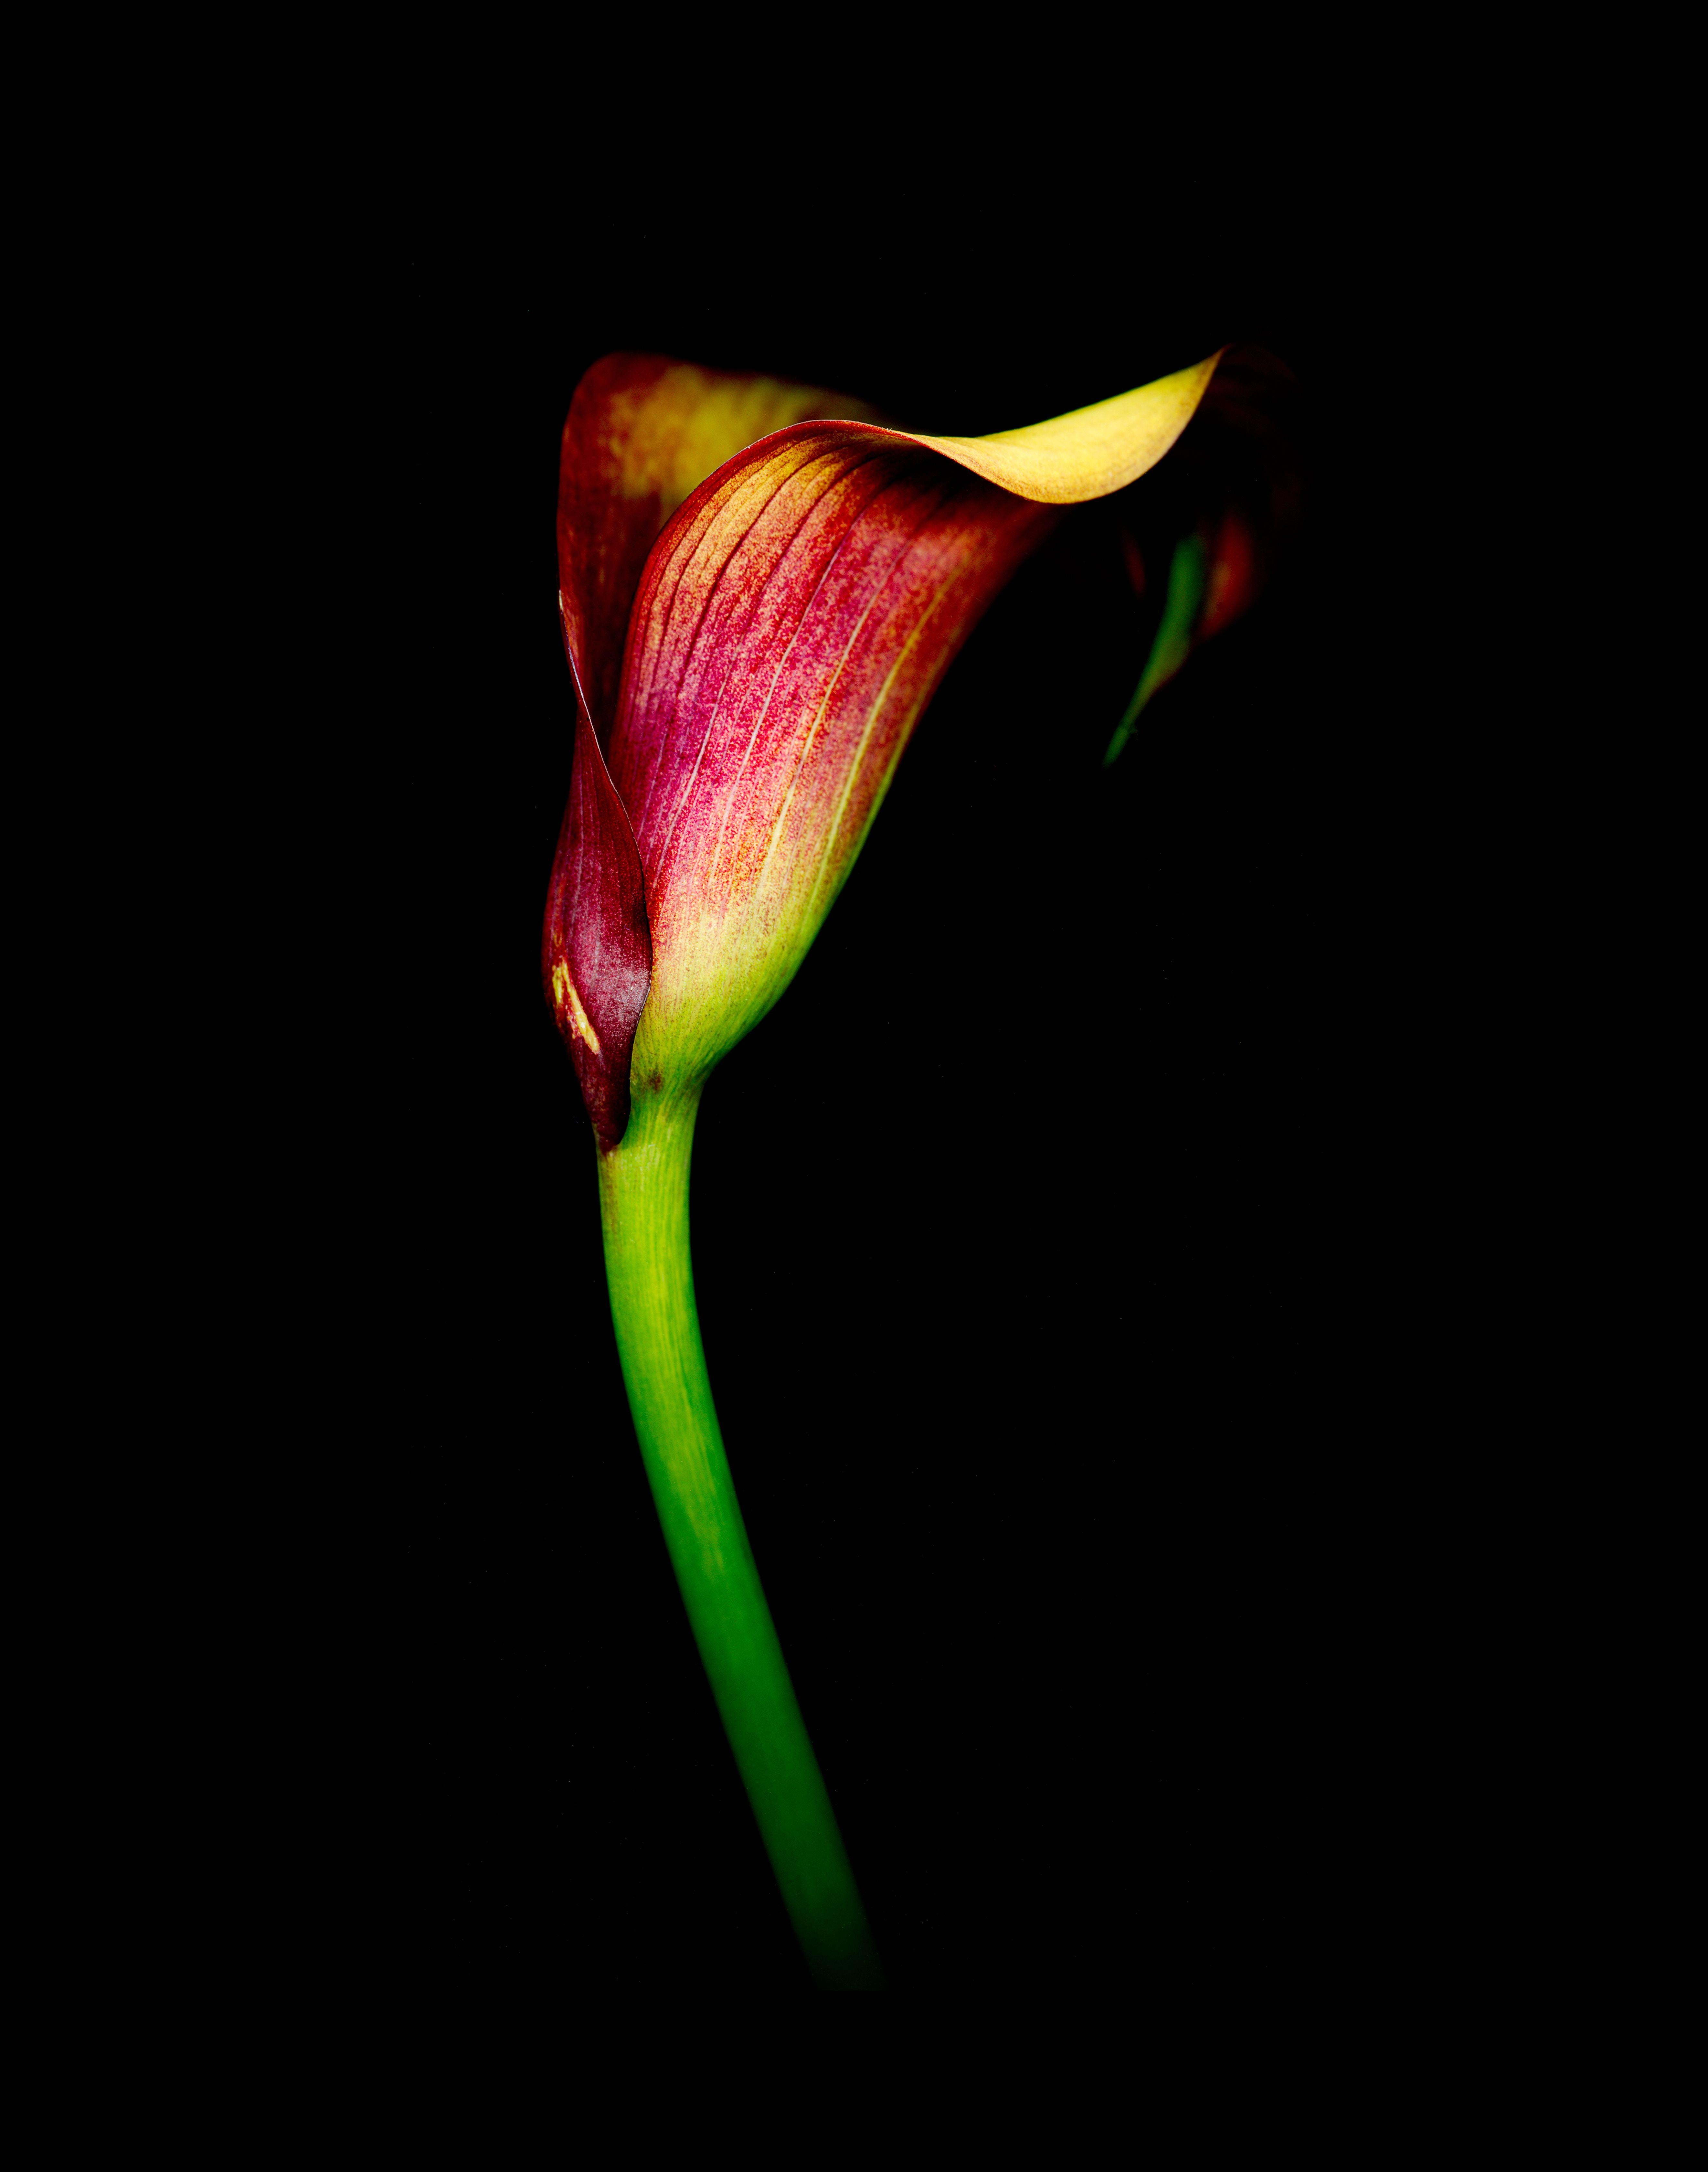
column 643, row 431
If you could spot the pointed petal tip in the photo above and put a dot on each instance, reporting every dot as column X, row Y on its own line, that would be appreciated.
column 1093, row 451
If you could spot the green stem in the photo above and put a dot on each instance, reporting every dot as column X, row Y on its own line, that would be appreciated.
column 643, row 1195
column 1188, row 571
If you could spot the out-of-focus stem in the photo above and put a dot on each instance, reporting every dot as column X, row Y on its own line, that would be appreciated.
column 1188, row 572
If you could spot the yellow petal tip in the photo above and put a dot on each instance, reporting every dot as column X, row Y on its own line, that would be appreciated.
column 1093, row 451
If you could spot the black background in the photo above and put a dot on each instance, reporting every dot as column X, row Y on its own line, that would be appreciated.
column 1045, row 1234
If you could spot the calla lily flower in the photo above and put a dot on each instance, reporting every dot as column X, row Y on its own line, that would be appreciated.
column 761, row 586
column 746, row 683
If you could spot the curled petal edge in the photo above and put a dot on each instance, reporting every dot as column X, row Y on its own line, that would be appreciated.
column 598, row 955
